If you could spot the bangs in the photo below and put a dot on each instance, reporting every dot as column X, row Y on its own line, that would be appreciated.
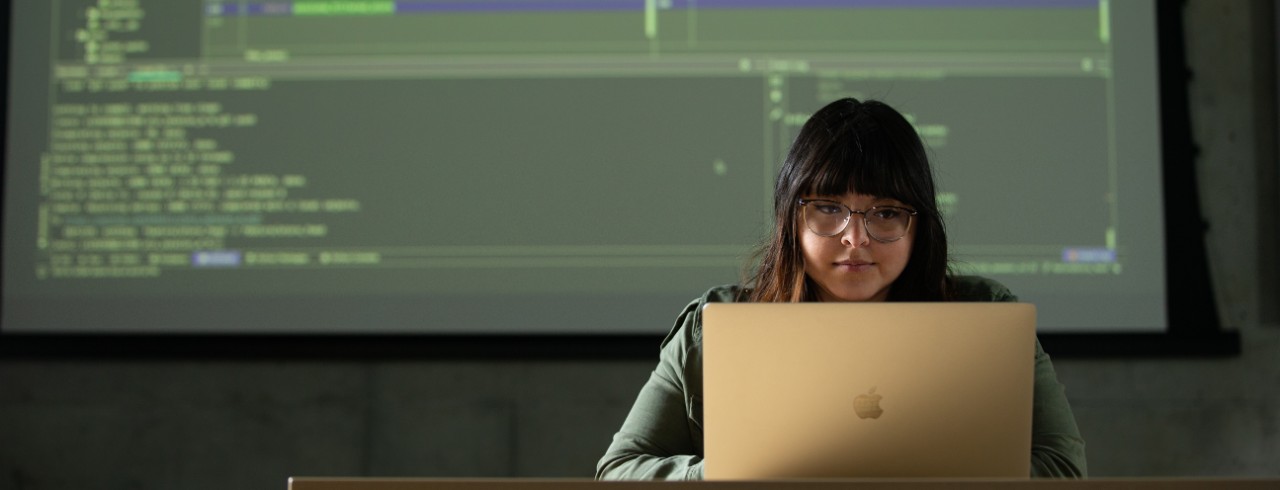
column 874, row 166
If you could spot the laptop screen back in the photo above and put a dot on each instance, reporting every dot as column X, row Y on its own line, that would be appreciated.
column 834, row 390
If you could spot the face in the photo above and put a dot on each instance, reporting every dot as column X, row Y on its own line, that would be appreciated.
column 851, row 265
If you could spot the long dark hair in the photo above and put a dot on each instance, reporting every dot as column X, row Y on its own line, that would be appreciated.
column 865, row 148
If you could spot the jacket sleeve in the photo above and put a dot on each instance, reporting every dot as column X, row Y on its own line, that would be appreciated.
column 660, row 438
column 1057, row 450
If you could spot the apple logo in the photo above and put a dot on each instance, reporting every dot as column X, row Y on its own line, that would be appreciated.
column 868, row 405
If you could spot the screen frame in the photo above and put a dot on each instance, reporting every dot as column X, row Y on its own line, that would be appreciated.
column 1194, row 327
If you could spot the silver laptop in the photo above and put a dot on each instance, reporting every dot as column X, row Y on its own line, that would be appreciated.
column 853, row 390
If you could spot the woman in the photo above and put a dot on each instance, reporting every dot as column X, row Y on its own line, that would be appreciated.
column 856, row 220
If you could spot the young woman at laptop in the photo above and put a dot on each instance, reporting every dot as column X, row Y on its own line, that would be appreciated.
column 856, row 220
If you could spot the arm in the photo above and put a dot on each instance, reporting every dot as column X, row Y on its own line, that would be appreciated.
column 660, row 438
column 1057, row 450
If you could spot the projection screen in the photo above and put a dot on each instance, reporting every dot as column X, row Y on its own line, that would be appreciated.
column 544, row 166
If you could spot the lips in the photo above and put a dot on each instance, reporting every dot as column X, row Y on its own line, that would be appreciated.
column 854, row 265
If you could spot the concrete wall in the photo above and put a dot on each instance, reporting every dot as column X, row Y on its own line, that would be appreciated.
column 133, row 424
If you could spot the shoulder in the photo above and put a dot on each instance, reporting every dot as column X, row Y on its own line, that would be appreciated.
column 728, row 293
column 689, row 324
column 976, row 288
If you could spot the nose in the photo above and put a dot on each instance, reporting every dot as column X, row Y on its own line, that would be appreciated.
column 855, row 233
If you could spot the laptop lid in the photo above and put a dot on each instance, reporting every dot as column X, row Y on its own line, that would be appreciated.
column 850, row 390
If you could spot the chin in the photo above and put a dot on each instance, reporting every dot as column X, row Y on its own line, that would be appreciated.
column 857, row 298
column 855, row 295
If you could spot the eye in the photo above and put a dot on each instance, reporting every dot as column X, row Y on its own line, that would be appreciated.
column 887, row 214
column 828, row 208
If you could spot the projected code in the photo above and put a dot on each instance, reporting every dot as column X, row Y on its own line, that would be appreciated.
column 129, row 189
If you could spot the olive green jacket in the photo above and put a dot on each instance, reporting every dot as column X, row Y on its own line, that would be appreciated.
column 662, row 436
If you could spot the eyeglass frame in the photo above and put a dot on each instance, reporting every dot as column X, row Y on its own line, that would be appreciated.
column 911, row 213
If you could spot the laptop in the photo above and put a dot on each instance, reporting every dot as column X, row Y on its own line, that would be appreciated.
column 867, row 390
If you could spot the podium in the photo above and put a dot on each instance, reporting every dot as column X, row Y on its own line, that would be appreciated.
column 319, row 483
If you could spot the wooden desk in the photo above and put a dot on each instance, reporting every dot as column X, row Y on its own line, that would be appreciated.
column 307, row 483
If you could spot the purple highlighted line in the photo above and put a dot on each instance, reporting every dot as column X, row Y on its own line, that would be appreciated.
column 215, row 258
column 1088, row 255
column 268, row 8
